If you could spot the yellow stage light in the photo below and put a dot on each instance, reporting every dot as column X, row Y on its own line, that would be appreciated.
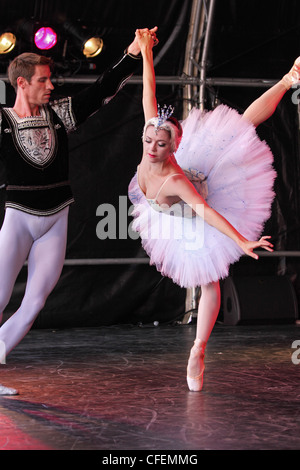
column 92, row 47
column 7, row 42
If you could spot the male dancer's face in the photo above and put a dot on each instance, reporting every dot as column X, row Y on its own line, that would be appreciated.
column 38, row 90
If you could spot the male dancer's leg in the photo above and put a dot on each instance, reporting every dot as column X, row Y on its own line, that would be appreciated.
column 15, row 243
column 45, row 263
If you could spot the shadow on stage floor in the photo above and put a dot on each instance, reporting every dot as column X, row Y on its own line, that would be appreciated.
column 124, row 387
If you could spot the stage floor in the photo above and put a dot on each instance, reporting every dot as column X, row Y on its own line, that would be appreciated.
column 124, row 388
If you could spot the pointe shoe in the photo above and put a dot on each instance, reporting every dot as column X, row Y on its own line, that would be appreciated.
column 7, row 391
column 293, row 77
column 195, row 383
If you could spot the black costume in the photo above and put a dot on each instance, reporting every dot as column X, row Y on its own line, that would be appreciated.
column 35, row 149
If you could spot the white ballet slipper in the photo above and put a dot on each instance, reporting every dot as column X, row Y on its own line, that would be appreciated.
column 5, row 391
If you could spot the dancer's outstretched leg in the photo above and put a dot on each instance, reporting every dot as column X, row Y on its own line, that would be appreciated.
column 45, row 262
column 208, row 310
column 15, row 243
column 263, row 108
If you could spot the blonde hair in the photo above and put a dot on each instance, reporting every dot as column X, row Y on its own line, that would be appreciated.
column 171, row 125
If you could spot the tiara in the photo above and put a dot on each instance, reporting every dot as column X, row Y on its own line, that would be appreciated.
column 163, row 114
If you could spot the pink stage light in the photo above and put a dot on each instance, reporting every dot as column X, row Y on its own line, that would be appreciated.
column 45, row 38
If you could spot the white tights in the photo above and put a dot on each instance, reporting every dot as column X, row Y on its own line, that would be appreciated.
column 208, row 311
column 263, row 108
column 41, row 240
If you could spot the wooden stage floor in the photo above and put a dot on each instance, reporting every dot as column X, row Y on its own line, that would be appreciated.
column 124, row 388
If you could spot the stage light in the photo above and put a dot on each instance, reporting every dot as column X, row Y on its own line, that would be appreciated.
column 7, row 42
column 89, row 45
column 92, row 47
column 45, row 38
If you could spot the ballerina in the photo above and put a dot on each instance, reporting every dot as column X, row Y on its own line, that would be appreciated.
column 202, row 192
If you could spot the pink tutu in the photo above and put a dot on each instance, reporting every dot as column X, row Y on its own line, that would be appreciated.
column 232, row 169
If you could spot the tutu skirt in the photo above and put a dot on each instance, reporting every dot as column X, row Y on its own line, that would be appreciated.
column 232, row 169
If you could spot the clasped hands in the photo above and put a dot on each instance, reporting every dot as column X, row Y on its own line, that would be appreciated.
column 134, row 47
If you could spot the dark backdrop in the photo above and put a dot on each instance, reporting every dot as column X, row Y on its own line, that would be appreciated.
column 249, row 40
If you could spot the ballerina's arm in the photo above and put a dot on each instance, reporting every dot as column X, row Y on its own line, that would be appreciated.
column 180, row 186
column 146, row 43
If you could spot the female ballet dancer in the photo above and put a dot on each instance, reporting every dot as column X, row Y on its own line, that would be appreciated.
column 190, row 211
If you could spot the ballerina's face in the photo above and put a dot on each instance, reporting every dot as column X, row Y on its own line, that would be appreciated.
column 157, row 144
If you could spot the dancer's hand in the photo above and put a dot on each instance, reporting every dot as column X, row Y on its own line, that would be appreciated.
column 134, row 47
column 249, row 246
column 146, row 38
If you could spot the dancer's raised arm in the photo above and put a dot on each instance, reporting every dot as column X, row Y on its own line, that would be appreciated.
column 146, row 43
